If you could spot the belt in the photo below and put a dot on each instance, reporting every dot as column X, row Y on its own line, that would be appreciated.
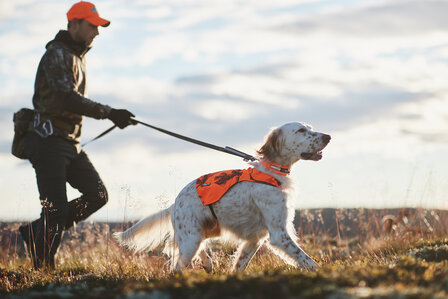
column 71, row 129
column 47, row 126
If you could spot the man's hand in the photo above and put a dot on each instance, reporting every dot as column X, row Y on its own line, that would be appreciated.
column 121, row 118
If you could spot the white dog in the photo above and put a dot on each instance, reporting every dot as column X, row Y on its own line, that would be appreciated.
column 251, row 211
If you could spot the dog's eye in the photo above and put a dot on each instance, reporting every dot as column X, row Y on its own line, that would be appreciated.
column 302, row 130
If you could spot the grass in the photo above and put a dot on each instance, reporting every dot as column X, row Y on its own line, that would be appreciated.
column 91, row 265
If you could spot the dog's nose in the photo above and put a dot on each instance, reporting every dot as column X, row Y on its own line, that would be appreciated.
column 326, row 138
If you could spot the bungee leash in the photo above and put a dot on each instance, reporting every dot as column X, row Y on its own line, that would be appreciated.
column 227, row 149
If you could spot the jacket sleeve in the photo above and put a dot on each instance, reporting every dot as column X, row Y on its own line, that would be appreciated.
column 61, row 71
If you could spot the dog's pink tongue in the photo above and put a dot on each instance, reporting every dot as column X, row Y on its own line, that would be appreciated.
column 317, row 156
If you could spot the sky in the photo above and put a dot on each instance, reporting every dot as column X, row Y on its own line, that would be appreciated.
column 372, row 74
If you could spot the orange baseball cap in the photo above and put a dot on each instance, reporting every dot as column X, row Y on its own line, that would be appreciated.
column 87, row 11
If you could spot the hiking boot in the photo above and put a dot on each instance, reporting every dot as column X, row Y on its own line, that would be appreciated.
column 34, row 246
column 27, row 233
column 24, row 232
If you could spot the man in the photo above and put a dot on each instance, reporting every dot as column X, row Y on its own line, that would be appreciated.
column 52, row 143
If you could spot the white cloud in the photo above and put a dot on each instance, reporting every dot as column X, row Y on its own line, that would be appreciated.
column 130, row 90
column 379, row 18
column 259, row 89
column 225, row 110
column 14, row 9
column 370, row 73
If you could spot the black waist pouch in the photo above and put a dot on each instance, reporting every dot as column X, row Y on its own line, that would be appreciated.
column 22, row 122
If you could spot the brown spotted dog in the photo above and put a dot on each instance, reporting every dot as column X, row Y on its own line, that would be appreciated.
column 251, row 212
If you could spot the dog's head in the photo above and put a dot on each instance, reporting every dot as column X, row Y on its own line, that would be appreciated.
column 292, row 142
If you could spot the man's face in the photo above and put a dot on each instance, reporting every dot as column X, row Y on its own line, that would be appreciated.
column 84, row 31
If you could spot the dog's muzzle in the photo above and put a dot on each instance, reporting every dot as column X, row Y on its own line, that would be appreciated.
column 317, row 155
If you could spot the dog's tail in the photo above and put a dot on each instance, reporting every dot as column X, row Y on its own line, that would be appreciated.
column 148, row 233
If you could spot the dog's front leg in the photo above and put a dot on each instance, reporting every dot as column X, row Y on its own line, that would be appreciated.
column 275, row 215
column 285, row 243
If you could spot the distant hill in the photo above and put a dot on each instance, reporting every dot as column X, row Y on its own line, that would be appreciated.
column 365, row 223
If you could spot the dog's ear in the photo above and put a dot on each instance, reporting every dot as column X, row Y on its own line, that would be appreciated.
column 272, row 147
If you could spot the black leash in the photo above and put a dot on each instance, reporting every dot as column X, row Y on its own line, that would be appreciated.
column 227, row 149
column 99, row 136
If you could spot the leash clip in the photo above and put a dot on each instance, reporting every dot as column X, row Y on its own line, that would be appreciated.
column 246, row 157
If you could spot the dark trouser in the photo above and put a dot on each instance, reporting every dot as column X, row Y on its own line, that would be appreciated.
column 56, row 162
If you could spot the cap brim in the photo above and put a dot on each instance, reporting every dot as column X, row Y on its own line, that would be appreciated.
column 97, row 21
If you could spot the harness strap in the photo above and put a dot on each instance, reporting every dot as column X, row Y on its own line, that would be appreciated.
column 213, row 211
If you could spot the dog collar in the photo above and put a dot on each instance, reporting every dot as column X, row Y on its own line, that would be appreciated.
column 277, row 168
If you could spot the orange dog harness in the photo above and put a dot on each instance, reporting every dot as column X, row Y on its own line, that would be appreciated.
column 211, row 187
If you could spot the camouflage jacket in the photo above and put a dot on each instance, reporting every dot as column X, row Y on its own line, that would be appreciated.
column 60, row 88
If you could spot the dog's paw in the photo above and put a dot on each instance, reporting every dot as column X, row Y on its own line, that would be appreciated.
column 118, row 236
column 315, row 266
column 310, row 265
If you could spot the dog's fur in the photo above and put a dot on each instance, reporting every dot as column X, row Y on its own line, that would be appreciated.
column 252, row 212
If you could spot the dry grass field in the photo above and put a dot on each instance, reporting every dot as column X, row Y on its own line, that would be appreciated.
column 386, row 254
